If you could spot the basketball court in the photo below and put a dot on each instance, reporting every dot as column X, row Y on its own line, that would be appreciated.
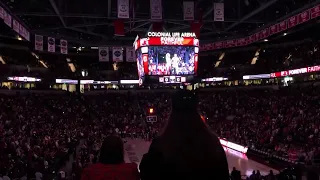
column 134, row 150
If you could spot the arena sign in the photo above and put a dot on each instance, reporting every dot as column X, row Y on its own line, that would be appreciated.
column 171, row 34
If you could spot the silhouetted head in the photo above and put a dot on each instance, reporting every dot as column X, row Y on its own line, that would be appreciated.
column 111, row 151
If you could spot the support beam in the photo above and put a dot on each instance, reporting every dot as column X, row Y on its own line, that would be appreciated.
column 109, row 8
column 56, row 10
column 130, row 20
column 88, row 32
column 208, row 12
column 261, row 8
column 178, row 28
column 149, row 29
column 216, row 32
column 137, row 27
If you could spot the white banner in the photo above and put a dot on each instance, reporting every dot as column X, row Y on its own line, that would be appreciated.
column 123, row 8
column 38, row 42
column 51, row 44
column 1, row 13
column 218, row 11
column 156, row 9
column 7, row 19
column 16, row 26
column 63, row 46
column 103, row 54
column 130, row 55
column 117, row 54
column 188, row 10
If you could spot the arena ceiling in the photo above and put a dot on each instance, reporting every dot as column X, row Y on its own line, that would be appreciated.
column 90, row 23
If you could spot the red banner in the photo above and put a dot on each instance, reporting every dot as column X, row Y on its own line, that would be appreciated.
column 229, row 43
column 219, row 45
column 295, row 71
column 282, row 26
column 293, row 21
column 253, row 38
column 273, row 29
column 241, row 42
column 315, row 12
column 303, row 17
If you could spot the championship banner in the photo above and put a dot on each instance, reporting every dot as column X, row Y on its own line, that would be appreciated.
column 7, row 19
column 51, row 44
column 38, row 42
column 293, row 21
column 117, row 54
column 123, row 9
column 303, row 17
column 63, row 46
column 273, row 29
column 218, row 9
column 188, row 10
column 156, row 9
column 315, row 12
column 130, row 55
column 27, row 35
column 1, row 13
column 103, row 54
column 282, row 26
column 16, row 25
column 24, row 32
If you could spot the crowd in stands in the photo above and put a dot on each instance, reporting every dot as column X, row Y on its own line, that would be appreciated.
column 38, row 134
column 281, row 122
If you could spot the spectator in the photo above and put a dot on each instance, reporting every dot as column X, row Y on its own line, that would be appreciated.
column 235, row 174
column 186, row 149
column 111, row 163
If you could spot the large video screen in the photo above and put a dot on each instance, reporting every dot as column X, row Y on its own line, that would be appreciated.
column 171, row 60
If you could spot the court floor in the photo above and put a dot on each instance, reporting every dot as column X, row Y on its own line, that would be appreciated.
column 134, row 150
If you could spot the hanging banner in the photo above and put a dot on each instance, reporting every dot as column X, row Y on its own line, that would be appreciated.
column 16, row 26
column 117, row 54
column 303, row 17
column 63, row 46
column 103, row 54
column 123, row 9
column 51, row 44
column 218, row 9
column 24, row 33
column 188, row 10
column 315, row 12
column 21, row 30
column 38, row 42
column 130, row 54
column 7, row 19
column 27, row 35
column 156, row 9
column 1, row 13
column 293, row 21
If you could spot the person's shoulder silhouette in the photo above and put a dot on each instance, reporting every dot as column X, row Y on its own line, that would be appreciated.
column 187, row 149
column 111, row 163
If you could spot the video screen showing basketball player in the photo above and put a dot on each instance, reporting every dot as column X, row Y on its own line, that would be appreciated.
column 171, row 60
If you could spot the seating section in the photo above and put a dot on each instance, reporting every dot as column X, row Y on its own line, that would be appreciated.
column 39, row 133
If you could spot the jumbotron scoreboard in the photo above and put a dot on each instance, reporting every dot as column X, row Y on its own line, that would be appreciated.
column 167, row 57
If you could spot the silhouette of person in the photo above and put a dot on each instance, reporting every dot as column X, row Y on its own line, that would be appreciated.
column 186, row 149
column 111, row 163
